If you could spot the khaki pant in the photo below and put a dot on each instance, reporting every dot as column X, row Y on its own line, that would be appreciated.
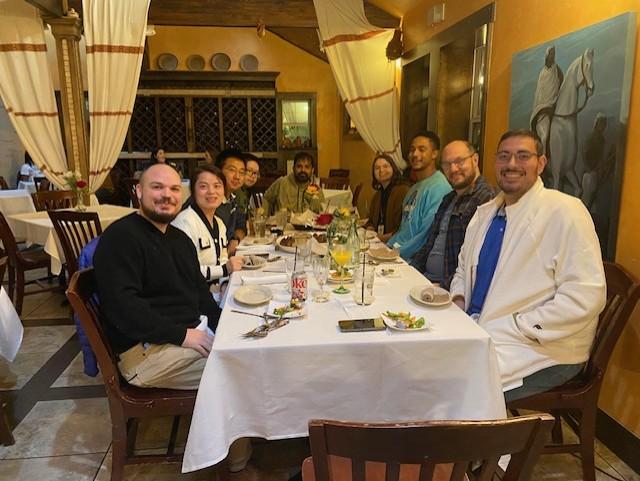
column 162, row 365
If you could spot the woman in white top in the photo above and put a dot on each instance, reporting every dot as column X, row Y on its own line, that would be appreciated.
column 207, row 232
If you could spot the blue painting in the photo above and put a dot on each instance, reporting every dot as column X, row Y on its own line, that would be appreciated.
column 573, row 91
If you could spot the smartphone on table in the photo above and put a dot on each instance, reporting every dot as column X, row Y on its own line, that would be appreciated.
column 360, row 325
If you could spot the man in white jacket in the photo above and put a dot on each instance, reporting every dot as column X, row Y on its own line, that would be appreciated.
column 530, row 272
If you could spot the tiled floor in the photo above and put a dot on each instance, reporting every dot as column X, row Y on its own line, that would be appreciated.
column 62, row 425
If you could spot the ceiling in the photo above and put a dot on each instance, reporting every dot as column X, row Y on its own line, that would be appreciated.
column 397, row 8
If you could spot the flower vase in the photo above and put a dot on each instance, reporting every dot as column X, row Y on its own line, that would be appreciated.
column 80, row 205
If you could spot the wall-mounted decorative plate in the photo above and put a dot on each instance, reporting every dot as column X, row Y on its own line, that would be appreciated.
column 249, row 63
column 167, row 61
column 195, row 62
column 220, row 61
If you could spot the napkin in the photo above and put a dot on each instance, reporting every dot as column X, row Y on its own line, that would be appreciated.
column 306, row 218
column 263, row 278
column 275, row 266
column 255, row 249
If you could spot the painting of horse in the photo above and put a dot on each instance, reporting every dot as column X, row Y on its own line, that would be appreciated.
column 574, row 91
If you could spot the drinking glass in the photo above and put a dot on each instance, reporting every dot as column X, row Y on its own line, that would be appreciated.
column 363, row 279
column 342, row 256
column 289, row 263
column 363, row 242
column 321, row 273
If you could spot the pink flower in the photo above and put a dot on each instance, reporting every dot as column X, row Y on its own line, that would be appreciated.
column 81, row 184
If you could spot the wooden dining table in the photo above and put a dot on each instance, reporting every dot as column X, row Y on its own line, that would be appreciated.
column 271, row 387
column 38, row 229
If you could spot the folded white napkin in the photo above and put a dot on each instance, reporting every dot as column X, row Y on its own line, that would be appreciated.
column 275, row 266
column 262, row 278
column 256, row 249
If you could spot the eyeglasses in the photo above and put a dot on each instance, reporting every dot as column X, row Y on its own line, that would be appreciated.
column 252, row 173
column 234, row 171
column 521, row 156
column 457, row 162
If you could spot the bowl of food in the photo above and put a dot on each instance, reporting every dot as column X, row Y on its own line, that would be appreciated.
column 404, row 321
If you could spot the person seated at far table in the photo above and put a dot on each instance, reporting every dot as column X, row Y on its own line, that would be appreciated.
column 206, row 230
column 252, row 173
column 29, row 169
column 295, row 192
column 530, row 273
column 385, row 212
column 422, row 201
column 232, row 164
column 438, row 257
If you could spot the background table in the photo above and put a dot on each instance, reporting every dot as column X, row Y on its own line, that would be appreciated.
column 272, row 387
column 39, row 229
column 28, row 185
column 16, row 201
column 338, row 198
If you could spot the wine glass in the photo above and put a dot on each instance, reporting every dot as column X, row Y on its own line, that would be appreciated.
column 342, row 256
column 289, row 264
column 321, row 273
column 363, row 242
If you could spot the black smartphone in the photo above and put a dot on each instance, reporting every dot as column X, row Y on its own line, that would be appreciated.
column 359, row 325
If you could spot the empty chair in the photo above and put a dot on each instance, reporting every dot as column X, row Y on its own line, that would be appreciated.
column 54, row 199
column 131, row 183
column 19, row 263
column 356, row 195
column 433, row 448
column 577, row 400
column 339, row 172
column 127, row 403
column 338, row 183
column 3, row 184
column 42, row 183
column 256, row 199
column 74, row 230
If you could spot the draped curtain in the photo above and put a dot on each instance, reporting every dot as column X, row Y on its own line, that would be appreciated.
column 115, row 34
column 365, row 77
column 26, row 88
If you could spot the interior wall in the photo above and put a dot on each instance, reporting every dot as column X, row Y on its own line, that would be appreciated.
column 11, row 150
column 299, row 71
column 518, row 27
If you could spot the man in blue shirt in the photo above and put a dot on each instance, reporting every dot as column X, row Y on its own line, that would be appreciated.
column 422, row 201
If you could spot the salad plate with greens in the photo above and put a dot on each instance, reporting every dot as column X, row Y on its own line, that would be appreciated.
column 404, row 321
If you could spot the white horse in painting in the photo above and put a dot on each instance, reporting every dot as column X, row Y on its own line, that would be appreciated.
column 563, row 131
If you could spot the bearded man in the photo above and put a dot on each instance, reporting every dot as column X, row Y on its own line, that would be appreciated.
column 438, row 258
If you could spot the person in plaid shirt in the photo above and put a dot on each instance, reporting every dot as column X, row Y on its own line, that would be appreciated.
column 438, row 257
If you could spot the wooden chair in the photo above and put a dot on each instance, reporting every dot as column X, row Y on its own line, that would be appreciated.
column 356, row 195
column 256, row 199
column 131, row 183
column 19, row 263
column 127, row 403
column 429, row 446
column 42, row 183
column 339, row 172
column 3, row 184
column 577, row 400
column 75, row 230
column 53, row 199
column 339, row 183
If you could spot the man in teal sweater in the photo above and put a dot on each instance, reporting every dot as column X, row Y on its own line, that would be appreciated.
column 422, row 201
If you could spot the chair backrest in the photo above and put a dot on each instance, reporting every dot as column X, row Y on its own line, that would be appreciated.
column 3, row 184
column 8, row 240
column 356, row 195
column 83, row 299
column 623, row 292
column 431, row 443
column 53, row 199
column 3, row 267
column 339, row 172
column 131, row 183
column 339, row 183
column 256, row 200
column 75, row 230
column 41, row 183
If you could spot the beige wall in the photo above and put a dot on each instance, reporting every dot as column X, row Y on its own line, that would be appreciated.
column 299, row 71
column 520, row 25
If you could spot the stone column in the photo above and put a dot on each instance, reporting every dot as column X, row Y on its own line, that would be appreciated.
column 67, row 31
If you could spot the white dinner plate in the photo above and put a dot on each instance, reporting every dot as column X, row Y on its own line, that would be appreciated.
column 383, row 255
column 333, row 279
column 289, row 249
column 256, row 262
column 253, row 295
column 290, row 315
column 391, row 324
column 441, row 296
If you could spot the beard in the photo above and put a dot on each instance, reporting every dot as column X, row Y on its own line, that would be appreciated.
column 465, row 182
column 159, row 217
column 302, row 177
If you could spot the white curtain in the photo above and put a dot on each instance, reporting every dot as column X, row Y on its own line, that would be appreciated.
column 365, row 77
column 27, row 90
column 115, row 34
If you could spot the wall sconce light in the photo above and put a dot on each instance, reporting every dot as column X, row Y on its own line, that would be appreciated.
column 395, row 47
column 261, row 29
column 150, row 31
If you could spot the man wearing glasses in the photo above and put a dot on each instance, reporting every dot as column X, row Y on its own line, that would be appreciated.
column 252, row 174
column 233, row 166
column 438, row 258
column 530, row 272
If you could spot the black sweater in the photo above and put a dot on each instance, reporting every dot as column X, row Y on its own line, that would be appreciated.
column 149, row 284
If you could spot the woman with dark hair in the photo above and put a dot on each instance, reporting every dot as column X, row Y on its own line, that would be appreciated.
column 158, row 156
column 385, row 212
column 206, row 230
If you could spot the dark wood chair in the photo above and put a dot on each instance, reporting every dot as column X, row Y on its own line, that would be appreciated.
column 433, row 448
column 339, row 183
column 356, row 195
column 53, row 199
column 42, row 183
column 3, row 184
column 256, row 200
column 577, row 400
column 19, row 263
column 127, row 403
column 131, row 183
column 339, row 172
column 6, row 437
column 75, row 230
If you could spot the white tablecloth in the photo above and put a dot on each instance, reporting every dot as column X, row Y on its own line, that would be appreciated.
column 17, row 201
column 39, row 229
column 272, row 387
column 338, row 198
column 28, row 185
column 11, row 329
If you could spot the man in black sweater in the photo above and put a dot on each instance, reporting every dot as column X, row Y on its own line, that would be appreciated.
column 152, row 294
